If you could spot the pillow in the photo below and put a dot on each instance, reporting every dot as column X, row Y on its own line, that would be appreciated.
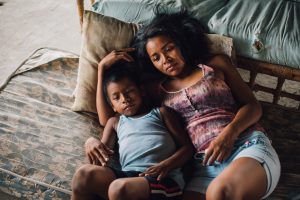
column 102, row 34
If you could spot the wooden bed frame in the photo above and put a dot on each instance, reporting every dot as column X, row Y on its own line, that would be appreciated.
column 255, row 67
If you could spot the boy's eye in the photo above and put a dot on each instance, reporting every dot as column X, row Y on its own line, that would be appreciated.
column 115, row 98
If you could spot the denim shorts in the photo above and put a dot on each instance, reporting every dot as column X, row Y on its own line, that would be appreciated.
column 256, row 145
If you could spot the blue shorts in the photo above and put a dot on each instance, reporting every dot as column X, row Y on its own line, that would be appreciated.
column 256, row 145
column 166, row 189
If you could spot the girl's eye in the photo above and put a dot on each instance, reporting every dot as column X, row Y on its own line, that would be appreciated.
column 154, row 59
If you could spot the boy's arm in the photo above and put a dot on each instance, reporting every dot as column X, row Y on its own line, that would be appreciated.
column 184, row 151
column 100, row 151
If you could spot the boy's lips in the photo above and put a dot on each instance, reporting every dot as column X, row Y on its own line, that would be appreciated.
column 128, row 107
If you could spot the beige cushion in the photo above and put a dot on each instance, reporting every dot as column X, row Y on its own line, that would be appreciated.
column 101, row 35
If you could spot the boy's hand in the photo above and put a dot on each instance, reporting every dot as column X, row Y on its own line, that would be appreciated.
column 160, row 170
column 114, row 56
column 97, row 152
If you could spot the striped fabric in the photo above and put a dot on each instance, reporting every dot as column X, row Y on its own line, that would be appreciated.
column 166, row 189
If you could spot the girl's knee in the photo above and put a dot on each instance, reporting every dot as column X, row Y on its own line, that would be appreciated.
column 117, row 190
column 219, row 189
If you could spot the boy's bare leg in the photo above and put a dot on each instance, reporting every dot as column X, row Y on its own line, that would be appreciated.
column 91, row 181
column 136, row 188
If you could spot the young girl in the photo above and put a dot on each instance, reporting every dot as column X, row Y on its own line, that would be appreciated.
column 234, row 158
column 152, row 147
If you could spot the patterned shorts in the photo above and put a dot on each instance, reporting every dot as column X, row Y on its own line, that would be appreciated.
column 166, row 189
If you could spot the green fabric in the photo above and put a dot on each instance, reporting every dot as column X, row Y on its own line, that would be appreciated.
column 265, row 30
column 140, row 11
column 274, row 25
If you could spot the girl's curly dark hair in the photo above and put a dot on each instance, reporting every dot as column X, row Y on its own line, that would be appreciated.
column 186, row 32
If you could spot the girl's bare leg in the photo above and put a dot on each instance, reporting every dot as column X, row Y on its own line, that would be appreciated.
column 91, row 181
column 244, row 178
column 136, row 188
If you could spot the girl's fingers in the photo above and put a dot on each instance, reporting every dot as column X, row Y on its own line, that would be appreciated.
column 221, row 156
column 208, row 153
column 213, row 157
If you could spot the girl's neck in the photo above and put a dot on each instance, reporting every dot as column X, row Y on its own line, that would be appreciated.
column 187, row 72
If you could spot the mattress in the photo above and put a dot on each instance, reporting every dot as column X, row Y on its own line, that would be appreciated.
column 41, row 139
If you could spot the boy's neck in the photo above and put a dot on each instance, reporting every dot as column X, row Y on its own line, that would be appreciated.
column 142, row 111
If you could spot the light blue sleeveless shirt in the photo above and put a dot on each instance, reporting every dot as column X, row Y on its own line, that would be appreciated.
column 144, row 141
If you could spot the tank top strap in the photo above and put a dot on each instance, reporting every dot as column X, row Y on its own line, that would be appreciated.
column 156, row 112
column 207, row 71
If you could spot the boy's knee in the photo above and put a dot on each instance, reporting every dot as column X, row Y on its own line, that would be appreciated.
column 81, row 178
column 117, row 189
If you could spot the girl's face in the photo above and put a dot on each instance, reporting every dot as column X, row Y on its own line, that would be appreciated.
column 125, row 97
column 165, row 55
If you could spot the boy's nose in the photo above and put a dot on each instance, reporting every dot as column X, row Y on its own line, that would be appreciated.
column 125, row 99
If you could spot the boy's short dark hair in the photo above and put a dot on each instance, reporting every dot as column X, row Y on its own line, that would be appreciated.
column 119, row 71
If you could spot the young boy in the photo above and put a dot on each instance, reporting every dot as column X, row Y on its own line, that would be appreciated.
column 152, row 146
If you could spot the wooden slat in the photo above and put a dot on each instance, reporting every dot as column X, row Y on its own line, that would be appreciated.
column 80, row 9
column 268, row 68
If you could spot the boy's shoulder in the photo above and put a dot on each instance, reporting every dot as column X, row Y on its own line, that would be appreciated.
column 113, row 121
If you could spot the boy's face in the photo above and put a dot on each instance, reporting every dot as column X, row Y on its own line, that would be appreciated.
column 125, row 97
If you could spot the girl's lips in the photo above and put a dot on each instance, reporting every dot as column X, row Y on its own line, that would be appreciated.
column 170, row 68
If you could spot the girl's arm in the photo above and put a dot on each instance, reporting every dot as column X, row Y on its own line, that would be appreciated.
column 99, row 152
column 248, row 114
column 103, row 108
column 184, row 151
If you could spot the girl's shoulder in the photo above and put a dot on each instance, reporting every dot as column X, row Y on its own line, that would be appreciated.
column 220, row 62
column 221, row 65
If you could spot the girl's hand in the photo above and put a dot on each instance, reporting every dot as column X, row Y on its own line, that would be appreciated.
column 97, row 152
column 160, row 170
column 220, row 148
column 114, row 56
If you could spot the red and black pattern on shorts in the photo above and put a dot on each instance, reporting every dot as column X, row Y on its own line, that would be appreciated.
column 166, row 189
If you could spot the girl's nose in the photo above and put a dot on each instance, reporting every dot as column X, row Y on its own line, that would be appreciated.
column 166, row 58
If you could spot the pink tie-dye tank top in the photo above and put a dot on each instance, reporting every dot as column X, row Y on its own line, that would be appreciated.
column 206, row 107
